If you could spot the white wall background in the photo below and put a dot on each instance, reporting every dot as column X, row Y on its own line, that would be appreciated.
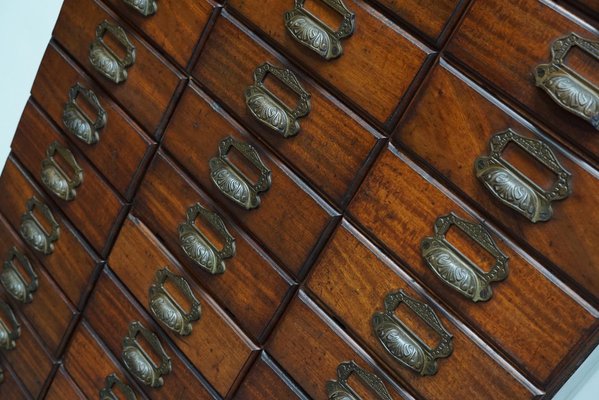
column 25, row 29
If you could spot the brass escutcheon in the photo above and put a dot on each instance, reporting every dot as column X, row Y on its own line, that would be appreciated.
column 340, row 389
column 15, row 284
column 33, row 232
column 113, row 381
column 9, row 330
column 77, row 121
column 105, row 60
column 58, row 181
column 144, row 7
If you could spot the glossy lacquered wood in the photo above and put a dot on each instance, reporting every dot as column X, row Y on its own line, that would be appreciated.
column 11, row 387
column 34, row 136
column 462, row 117
column 63, row 387
column 151, row 81
column 123, row 150
column 332, row 145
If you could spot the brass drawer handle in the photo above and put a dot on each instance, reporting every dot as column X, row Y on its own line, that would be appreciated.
column 33, row 232
column 112, row 381
column 77, row 121
column 105, row 60
column 340, row 389
column 566, row 87
column 457, row 270
column 315, row 34
column 403, row 344
column 20, row 288
column 144, row 7
column 231, row 181
column 512, row 187
column 198, row 247
column 9, row 330
column 269, row 109
column 138, row 362
column 166, row 309
column 55, row 178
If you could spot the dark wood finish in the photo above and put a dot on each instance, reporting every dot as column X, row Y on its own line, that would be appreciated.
column 589, row 6
column 332, row 144
column 123, row 151
column 34, row 135
column 463, row 117
column 252, row 288
column 63, row 387
column 152, row 82
column 505, row 50
column 11, row 388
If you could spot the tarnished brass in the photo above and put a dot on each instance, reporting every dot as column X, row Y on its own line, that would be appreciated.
column 269, row 109
column 1, row 375
column 77, row 121
column 340, row 389
column 33, row 232
column 15, row 284
column 105, row 60
column 9, row 330
column 166, row 309
column 198, row 247
column 311, row 32
column 231, row 181
column 112, row 381
column 138, row 362
column 565, row 86
column 144, row 7
column 403, row 344
column 55, row 178
column 457, row 270
column 512, row 187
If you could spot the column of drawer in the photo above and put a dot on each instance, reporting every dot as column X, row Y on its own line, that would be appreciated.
column 10, row 385
column 63, row 387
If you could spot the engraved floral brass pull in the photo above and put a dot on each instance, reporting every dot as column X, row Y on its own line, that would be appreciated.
column 144, row 7
column 315, row 34
column 15, row 284
column 105, row 60
column 138, row 362
column 231, row 181
column 55, row 178
column 113, row 381
column 403, row 344
column 566, row 87
column 33, row 232
column 340, row 389
column 457, row 270
column 167, row 310
column 10, row 330
column 77, row 121
column 269, row 109
column 512, row 187
column 198, row 247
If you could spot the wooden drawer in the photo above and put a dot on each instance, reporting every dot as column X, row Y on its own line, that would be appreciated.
column 175, row 26
column 151, row 81
column 332, row 145
column 591, row 7
column 122, row 151
column 215, row 346
column 252, row 288
column 72, row 263
column 88, row 362
column 366, row 74
column 31, row 144
column 50, row 312
column 515, row 38
column 290, row 219
column 11, row 388
column 110, row 312
column 460, row 115
column 63, row 387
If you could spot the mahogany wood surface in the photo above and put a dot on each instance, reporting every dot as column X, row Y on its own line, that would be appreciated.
column 11, row 388
column 63, row 387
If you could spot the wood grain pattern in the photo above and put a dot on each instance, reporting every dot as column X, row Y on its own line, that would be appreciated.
column 63, row 387
column 11, row 388
column 464, row 121
column 332, row 145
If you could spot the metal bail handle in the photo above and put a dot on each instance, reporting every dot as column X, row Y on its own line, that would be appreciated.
column 33, row 232
column 113, row 381
column 105, row 60
column 77, row 121
column 14, row 282
column 144, row 7
column 340, row 389
column 58, row 181
column 9, row 330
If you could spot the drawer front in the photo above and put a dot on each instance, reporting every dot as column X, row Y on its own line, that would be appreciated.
column 214, row 346
column 590, row 6
column 332, row 144
column 366, row 73
column 251, row 278
column 288, row 229
column 49, row 312
column 72, row 263
column 475, row 118
column 506, row 50
column 175, row 26
column 63, row 387
column 88, row 362
column 31, row 145
column 151, row 81
column 11, row 388
column 122, row 150
column 110, row 312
